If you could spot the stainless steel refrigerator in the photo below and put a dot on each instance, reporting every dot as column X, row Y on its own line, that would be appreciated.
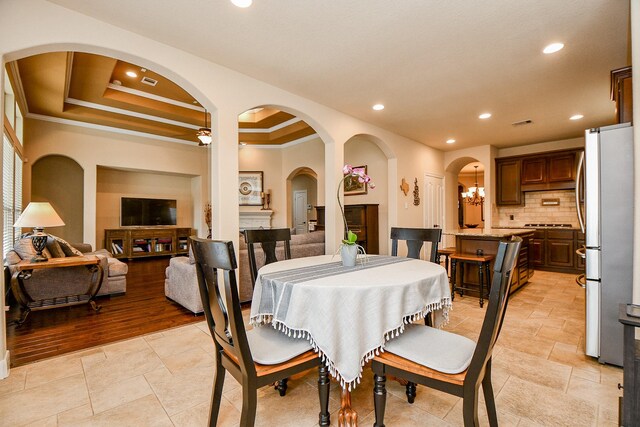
column 608, row 227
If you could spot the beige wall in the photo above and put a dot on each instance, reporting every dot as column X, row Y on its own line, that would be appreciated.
column 222, row 91
column 563, row 144
column 302, row 183
column 359, row 151
column 59, row 180
column 278, row 164
column 92, row 148
column 113, row 184
column 472, row 213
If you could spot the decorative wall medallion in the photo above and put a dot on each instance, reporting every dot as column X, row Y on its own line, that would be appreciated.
column 416, row 193
column 404, row 187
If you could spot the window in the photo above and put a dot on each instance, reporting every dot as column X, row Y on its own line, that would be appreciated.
column 11, row 194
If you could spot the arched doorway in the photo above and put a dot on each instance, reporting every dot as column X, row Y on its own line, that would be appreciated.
column 59, row 180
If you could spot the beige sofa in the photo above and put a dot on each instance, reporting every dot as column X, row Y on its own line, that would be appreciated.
column 52, row 283
column 181, row 284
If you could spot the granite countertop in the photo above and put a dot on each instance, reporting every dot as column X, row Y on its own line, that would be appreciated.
column 538, row 228
column 489, row 232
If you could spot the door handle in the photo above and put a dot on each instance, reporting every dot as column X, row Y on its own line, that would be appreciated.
column 578, row 185
column 435, row 226
column 581, row 252
column 581, row 281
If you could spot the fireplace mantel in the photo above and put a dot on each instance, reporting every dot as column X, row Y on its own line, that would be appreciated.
column 255, row 219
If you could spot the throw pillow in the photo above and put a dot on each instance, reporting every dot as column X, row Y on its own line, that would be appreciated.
column 67, row 248
column 24, row 248
column 54, row 247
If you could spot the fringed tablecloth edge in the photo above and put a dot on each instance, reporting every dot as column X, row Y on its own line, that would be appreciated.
column 444, row 304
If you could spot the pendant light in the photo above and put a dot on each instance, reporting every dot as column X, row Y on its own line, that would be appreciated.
column 204, row 134
column 475, row 195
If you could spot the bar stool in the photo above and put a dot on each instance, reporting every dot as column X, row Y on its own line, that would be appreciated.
column 483, row 262
column 446, row 253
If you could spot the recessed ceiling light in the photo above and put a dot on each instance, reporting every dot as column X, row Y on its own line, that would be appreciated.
column 131, row 74
column 576, row 117
column 450, row 141
column 378, row 107
column 553, row 48
column 242, row 3
column 243, row 143
column 484, row 116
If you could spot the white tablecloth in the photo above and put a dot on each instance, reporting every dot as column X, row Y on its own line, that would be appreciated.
column 348, row 316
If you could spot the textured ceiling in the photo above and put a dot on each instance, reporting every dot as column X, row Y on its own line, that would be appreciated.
column 436, row 65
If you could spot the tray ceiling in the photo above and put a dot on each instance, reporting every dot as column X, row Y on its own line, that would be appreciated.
column 96, row 90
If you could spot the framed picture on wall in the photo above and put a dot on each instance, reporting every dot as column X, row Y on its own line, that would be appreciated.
column 250, row 188
column 352, row 186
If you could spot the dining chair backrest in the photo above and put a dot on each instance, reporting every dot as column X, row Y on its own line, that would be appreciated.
column 268, row 240
column 220, row 300
column 415, row 237
column 498, row 298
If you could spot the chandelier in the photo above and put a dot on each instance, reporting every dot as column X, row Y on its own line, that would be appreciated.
column 475, row 195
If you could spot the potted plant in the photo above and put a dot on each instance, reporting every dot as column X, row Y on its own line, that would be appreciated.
column 349, row 249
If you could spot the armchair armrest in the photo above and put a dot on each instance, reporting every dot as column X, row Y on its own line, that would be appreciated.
column 82, row 247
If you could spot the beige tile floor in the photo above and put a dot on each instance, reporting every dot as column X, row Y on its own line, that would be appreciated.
column 541, row 377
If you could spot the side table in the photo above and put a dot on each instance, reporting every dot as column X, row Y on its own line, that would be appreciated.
column 631, row 361
column 24, row 270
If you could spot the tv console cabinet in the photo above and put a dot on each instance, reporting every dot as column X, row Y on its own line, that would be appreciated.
column 142, row 242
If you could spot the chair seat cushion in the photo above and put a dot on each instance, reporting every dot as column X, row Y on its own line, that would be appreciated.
column 434, row 348
column 271, row 347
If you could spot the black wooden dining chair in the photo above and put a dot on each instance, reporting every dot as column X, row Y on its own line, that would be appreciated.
column 268, row 240
column 257, row 357
column 446, row 361
column 415, row 238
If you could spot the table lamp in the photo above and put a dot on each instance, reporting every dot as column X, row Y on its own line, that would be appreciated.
column 39, row 215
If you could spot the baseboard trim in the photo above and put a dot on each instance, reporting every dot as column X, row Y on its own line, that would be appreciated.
column 4, row 366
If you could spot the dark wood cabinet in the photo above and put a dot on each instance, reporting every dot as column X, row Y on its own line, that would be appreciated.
column 555, row 250
column 534, row 170
column 621, row 94
column 537, row 248
column 508, row 190
column 145, row 242
column 560, row 253
column 562, row 167
column 362, row 220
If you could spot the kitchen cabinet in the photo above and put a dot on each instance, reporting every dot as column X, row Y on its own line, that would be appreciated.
column 621, row 94
column 549, row 171
column 534, row 172
column 538, row 248
column 362, row 220
column 560, row 248
column 508, row 190
column 555, row 250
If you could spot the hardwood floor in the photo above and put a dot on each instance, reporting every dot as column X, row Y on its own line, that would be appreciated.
column 142, row 310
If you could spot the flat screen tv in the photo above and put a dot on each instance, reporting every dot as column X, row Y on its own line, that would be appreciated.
column 148, row 212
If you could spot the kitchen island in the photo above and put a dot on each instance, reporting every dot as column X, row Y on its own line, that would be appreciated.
column 470, row 240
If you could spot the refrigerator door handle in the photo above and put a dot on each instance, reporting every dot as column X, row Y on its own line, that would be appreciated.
column 581, row 280
column 578, row 186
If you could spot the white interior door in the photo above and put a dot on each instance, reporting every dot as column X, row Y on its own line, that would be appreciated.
column 433, row 201
column 300, row 211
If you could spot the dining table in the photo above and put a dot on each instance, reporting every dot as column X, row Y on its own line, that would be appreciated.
column 348, row 313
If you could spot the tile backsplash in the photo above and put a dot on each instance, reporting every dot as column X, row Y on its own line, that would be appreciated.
column 534, row 212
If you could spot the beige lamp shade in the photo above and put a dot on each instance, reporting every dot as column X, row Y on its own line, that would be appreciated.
column 39, row 215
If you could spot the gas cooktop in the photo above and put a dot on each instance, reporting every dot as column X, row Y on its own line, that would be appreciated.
column 549, row 225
